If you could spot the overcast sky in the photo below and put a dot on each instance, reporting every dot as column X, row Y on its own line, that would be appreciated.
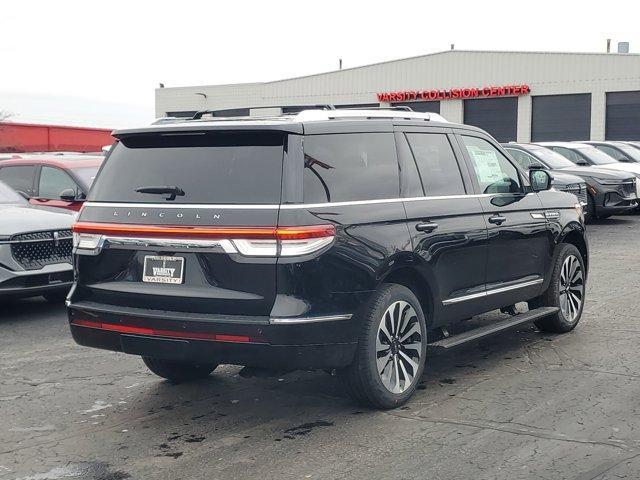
column 96, row 63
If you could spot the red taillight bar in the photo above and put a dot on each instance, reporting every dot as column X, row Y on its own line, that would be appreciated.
column 178, row 231
column 131, row 329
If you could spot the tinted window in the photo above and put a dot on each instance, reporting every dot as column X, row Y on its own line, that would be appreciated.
column 19, row 178
column 575, row 157
column 8, row 195
column 208, row 167
column 523, row 159
column 551, row 158
column 53, row 181
column 613, row 153
column 437, row 164
column 494, row 171
column 595, row 156
column 352, row 166
column 86, row 175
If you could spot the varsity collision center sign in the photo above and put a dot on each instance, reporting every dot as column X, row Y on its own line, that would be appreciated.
column 453, row 93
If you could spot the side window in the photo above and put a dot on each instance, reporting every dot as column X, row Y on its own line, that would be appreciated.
column 495, row 173
column 53, row 181
column 350, row 167
column 437, row 164
column 613, row 152
column 523, row 159
column 570, row 154
column 19, row 178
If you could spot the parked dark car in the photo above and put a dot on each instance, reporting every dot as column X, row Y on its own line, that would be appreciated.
column 620, row 151
column 609, row 192
column 35, row 249
column 52, row 180
column 564, row 182
column 338, row 239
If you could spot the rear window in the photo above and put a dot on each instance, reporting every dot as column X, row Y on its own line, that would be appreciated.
column 217, row 168
column 350, row 167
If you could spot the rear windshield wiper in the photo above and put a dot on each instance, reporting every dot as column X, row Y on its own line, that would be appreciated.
column 170, row 190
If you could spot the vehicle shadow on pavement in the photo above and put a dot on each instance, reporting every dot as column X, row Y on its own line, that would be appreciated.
column 611, row 221
column 226, row 399
column 27, row 309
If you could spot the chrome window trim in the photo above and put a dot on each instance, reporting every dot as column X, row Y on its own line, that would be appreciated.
column 290, row 206
column 486, row 293
column 181, row 206
column 299, row 320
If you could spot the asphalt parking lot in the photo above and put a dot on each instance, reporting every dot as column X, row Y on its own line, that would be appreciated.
column 519, row 405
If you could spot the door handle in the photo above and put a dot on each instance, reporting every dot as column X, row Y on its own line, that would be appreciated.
column 427, row 227
column 497, row 219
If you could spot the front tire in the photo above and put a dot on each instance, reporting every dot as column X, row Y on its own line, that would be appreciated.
column 391, row 351
column 178, row 372
column 566, row 291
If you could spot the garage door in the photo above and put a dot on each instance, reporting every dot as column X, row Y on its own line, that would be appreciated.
column 561, row 117
column 498, row 116
column 623, row 116
column 433, row 107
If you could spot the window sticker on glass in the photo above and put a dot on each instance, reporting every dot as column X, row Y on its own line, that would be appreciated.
column 486, row 164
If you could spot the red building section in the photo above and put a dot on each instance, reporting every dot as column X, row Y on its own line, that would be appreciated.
column 25, row 137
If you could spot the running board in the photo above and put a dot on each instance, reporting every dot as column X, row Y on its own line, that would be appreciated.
column 491, row 329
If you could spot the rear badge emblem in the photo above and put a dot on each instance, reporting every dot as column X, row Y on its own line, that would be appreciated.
column 180, row 215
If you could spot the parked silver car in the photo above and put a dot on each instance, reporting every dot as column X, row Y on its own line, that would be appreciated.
column 35, row 249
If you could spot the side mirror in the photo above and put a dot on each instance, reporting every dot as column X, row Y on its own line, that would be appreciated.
column 68, row 195
column 540, row 180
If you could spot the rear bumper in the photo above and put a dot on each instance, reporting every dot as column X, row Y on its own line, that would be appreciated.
column 250, row 341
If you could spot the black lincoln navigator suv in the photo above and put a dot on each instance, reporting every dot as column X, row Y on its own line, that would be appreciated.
column 330, row 239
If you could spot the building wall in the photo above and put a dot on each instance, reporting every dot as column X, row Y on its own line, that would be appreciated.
column 545, row 73
column 22, row 137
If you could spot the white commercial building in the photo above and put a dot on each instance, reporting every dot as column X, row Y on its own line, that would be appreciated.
column 523, row 96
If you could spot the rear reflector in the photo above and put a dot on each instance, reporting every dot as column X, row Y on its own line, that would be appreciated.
column 249, row 241
column 154, row 332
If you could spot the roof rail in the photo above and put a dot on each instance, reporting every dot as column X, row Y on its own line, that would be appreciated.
column 402, row 108
column 344, row 114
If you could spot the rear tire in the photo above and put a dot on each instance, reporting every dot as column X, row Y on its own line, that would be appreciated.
column 566, row 291
column 391, row 351
column 178, row 372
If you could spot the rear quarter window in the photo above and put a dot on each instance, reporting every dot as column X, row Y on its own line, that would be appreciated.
column 214, row 168
column 350, row 167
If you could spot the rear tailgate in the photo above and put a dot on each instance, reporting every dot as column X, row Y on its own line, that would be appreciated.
column 183, row 222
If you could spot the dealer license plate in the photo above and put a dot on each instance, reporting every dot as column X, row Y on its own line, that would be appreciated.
column 162, row 269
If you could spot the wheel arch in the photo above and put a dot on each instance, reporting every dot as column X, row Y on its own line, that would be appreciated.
column 574, row 234
column 416, row 282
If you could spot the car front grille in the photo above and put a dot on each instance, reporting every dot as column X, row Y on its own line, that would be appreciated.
column 578, row 189
column 35, row 250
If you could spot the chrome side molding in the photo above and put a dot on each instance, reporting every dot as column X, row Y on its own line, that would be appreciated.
column 486, row 293
column 305, row 320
